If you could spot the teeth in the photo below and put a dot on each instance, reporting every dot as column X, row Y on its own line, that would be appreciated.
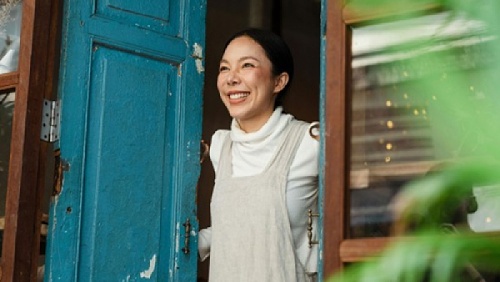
column 238, row 95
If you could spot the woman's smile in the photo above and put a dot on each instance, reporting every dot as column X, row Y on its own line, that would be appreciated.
column 238, row 97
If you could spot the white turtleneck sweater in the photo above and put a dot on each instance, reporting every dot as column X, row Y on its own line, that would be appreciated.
column 250, row 154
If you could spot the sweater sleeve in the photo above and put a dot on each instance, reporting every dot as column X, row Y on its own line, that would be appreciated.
column 216, row 147
column 301, row 195
column 205, row 235
column 204, row 243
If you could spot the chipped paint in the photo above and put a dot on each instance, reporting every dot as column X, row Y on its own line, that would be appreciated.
column 198, row 56
column 148, row 272
column 177, row 226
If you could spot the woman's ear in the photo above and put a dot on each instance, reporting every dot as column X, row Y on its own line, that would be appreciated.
column 280, row 82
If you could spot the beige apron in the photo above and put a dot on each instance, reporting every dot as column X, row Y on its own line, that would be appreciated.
column 251, row 235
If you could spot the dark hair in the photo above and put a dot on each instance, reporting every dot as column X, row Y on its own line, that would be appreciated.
column 277, row 51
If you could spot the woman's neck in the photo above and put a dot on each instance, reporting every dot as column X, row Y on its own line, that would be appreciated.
column 253, row 124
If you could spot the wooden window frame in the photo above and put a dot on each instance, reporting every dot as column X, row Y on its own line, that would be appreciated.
column 338, row 249
column 34, row 80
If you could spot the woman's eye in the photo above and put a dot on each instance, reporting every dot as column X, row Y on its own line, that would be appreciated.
column 248, row 65
column 223, row 68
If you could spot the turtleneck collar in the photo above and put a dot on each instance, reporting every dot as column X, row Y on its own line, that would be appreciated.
column 274, row 125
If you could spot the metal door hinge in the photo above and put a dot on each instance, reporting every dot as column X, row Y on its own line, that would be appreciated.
column 50, row 121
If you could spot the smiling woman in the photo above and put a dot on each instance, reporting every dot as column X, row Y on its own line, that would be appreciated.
column 266, row 170
column 249, row 82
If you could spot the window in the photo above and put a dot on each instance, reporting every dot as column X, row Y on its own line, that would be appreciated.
column 385, row 126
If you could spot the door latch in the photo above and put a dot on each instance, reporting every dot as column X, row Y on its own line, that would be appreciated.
column 60, row 166
column 310, row 215
column 187, row 230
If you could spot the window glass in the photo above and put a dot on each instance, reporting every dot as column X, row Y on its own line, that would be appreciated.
column 403, row 124
column 10, row 30
column 6, row 111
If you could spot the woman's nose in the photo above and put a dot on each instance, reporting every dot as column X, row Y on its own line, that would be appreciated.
column 232, row 78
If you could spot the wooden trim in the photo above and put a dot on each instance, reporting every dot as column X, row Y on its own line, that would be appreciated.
column 335, row 218
column 360, row 15
column 354, row 250
column 9, row 80
column 21, row 241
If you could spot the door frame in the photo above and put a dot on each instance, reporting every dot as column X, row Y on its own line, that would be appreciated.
column 34, row 81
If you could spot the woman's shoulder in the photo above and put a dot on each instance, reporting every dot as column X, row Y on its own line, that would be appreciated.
column 311, row 135
column 216, row 144
column 219, row 136
column 310, row 145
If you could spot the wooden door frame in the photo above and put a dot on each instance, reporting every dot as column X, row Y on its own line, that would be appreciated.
column 338, row 249
column 34, row 81
column 336, row 164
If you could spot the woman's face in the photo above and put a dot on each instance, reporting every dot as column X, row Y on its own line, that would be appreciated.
column 246, row 83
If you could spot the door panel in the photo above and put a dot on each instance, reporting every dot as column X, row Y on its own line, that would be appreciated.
column 129, row 153
column 155, row 15
column 131, row 82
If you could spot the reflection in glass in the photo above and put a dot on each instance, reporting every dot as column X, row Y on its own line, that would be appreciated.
column 10, row 30
column 6, row 111
column 396, row 116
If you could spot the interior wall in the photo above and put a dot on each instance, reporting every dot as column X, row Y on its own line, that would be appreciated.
column 298, row 22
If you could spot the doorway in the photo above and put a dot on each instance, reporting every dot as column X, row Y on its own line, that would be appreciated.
column 298, row 22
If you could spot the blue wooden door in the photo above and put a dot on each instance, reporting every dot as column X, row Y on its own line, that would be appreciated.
column 131, row 97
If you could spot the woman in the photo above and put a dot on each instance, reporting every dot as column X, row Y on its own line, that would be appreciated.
column 266, row 170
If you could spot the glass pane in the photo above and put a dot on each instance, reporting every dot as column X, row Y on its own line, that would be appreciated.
column 403, row 124
column 6, row 112
column 10, row 30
